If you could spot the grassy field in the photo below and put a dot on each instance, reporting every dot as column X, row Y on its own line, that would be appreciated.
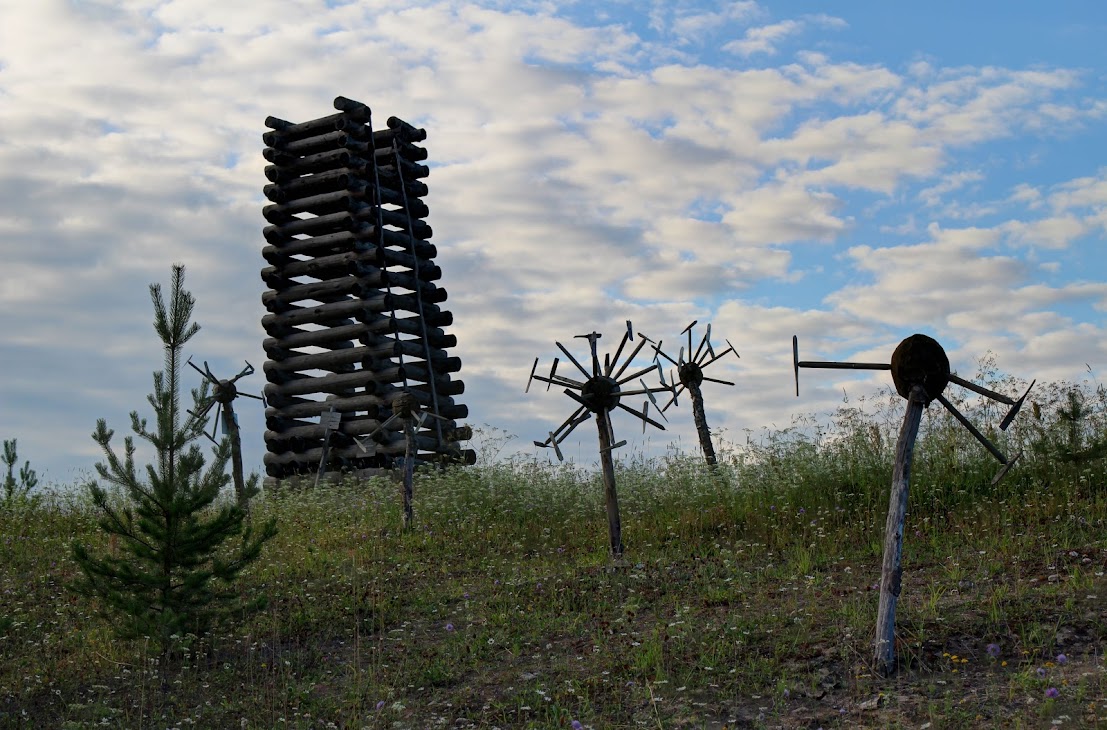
column 747, row 599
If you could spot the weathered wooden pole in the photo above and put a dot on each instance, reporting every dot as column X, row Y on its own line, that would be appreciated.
column 230, row 425
column 920, row 371
column 409, row 474
column 611, row 497
column 402, row 409
column 891, row 573
column 700, row 418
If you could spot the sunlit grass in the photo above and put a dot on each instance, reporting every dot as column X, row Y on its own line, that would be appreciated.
column 748, row 597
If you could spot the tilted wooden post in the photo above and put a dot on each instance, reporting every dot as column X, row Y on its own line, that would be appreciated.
column 700, row 418
column 891, row 574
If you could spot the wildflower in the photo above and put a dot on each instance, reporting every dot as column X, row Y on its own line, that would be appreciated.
column 993, row 651
column 1041, row 671
column 1062, row 659
column 1053, row 693
column 380, row 705
column 576, row 725
column 449, row 627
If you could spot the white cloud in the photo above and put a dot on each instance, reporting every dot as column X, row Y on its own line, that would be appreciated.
column 763, row 39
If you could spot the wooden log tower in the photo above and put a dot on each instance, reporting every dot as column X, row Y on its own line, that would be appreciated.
column 354, row 320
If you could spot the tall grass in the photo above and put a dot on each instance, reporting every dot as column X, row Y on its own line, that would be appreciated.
column 748, row 599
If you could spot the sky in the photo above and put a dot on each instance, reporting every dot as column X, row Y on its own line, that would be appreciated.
column 850, row 173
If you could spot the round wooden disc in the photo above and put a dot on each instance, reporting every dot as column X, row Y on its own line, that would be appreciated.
column 599, row 392
column 690, row 374
column 920, row 360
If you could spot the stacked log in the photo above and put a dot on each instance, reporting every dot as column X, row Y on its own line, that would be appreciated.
column 354, row 318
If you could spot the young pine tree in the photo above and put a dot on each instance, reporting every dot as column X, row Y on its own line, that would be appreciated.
column 14, row 492
column 174, row 571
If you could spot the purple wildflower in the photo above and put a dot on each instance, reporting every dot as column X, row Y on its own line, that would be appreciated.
column 1053, row 693
column 449, row 627
column 380, row 705
column 1062, row 659
column 1041, row 671
column 576, row 725
column 993, row 651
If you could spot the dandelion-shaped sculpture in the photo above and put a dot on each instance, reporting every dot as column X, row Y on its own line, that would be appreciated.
column 920, row 371
column 600, row 393
column 690, row 375
column 407, row 417
column 223, row 393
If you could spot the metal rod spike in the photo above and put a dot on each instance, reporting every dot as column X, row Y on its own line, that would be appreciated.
column 573, row 360
column 643, row 416
column 972, row 429
column 1015, row 408
column 638, row 374
column 633, row 354
column 196, row 368
column 530, row 378
column 618, row 351
column 733, row 349
column 795, row 361
column 955, row 378
column 1006, row 468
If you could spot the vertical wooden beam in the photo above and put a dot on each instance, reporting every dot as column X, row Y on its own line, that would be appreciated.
column 231, row 425
column 409, row 472
column 891, row 574
column 614, row 525
column 700, row 418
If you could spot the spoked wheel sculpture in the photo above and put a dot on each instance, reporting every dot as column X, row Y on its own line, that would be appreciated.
column 600, row 393
column 407, row 417
column 223, row 393
column 690, row 375
column 920, row 371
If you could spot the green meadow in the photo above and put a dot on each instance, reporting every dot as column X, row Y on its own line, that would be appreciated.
column 747, row 596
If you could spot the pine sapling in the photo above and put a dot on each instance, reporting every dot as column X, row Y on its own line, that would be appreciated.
column 174, row 571
column 16, row 492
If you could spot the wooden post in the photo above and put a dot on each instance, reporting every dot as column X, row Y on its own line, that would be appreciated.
column 892, row 573
column 231, row 426
column 614, row 526
column 701, row 423
column 409, row 472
